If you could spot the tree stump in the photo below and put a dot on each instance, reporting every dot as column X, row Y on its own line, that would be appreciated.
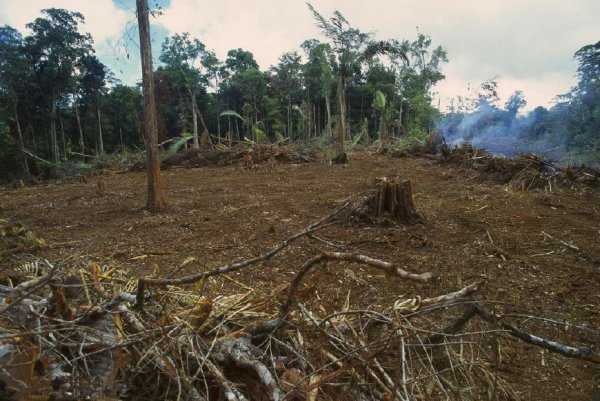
column 342, row 158
column 394, row 199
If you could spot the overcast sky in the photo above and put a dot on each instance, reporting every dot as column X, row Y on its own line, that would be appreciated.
column 528, row 44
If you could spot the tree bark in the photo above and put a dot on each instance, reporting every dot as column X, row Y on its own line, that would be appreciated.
column 100, row 139
column 289, row 117
column 202, row 122
column 194, row 119
column 218, row 122
column 81, row 143
column 121, row 140
column 53, row 141
column 62, row 134
column 395, row 200
column 328, row 108
column 156, row 199
column 341, row 157
column 21, row 143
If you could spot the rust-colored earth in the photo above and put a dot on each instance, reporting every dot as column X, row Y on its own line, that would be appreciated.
column 472, row 228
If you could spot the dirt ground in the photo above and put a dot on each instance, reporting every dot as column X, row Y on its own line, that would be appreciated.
column 472, row 228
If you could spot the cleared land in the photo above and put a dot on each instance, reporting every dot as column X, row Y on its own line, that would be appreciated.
column 538, row 252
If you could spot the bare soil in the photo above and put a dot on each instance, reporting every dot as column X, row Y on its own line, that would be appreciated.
column 472, row 228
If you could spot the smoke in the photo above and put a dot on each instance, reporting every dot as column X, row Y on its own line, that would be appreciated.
column 503, row 132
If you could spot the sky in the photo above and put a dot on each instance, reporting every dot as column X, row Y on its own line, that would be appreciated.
column 527, row 44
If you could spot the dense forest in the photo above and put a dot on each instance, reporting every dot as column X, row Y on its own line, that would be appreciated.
column 60, row 105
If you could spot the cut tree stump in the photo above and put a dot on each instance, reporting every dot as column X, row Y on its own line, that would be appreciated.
column 394, row 199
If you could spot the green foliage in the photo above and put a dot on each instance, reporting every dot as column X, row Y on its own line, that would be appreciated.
column 355, row 140
column 8, row 161
column 259, row 135
column 380, row 101
column 54, row 67
column 233, row 114
column 178, row 143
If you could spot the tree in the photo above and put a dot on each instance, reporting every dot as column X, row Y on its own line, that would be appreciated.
column 15, row 74
column 94, row 77
column 239, row 60
column 55, row 47
column 286, row 81
column 184, row 56
column 243, row 88
column 156, row 199
column 318, row 76
column 213, row 73
column 415, row 82
column 350, row 48
column 380, row 105
column 515, row 102
column 124, row 107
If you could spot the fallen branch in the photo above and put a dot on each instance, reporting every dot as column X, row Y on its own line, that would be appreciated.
column 26, row 288
column 242, row 353
column 571, row 352
column 416, row 304
column 570, row 246
column 144, row 282
column 350, row 257
column 379, row 264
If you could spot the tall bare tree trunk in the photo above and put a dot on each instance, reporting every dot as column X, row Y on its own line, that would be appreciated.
column 202, row 122
column 81, row 143
column 314, row 133
column 194, row 119
column 62, row 134
column 121, row 140
column 218, row 122
column 401, row 131
column 156, row 199
column 289, row 117
column 341, row 157
column 328, row 108
column 53, row 140
column 100, row 139
column 21, row 143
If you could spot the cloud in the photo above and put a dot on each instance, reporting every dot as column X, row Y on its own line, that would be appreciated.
column 527, row 43
column 267, row 28
column 103, row 19
column 106, row 22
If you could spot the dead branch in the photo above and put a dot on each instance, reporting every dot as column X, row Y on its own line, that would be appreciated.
column 26, row 288
column 349, row 257
column 144, row 282
column 379, row 264
column 453, row 296
column 570, row 246
column 241, row 352
column 231, row 393
column 571, row 352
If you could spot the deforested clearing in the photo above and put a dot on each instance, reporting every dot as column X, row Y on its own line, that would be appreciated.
column 533, row 255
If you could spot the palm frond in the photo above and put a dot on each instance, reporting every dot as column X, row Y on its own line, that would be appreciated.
column 322, row 23
column 380, row 48
column 380, row 101
column 298, row 109
column 178, row 143
column 232, row 114
column 338, row 21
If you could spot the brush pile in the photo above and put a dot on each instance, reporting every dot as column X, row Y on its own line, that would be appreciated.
column 522, row 172
column 76, row 333
column 249, row 154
